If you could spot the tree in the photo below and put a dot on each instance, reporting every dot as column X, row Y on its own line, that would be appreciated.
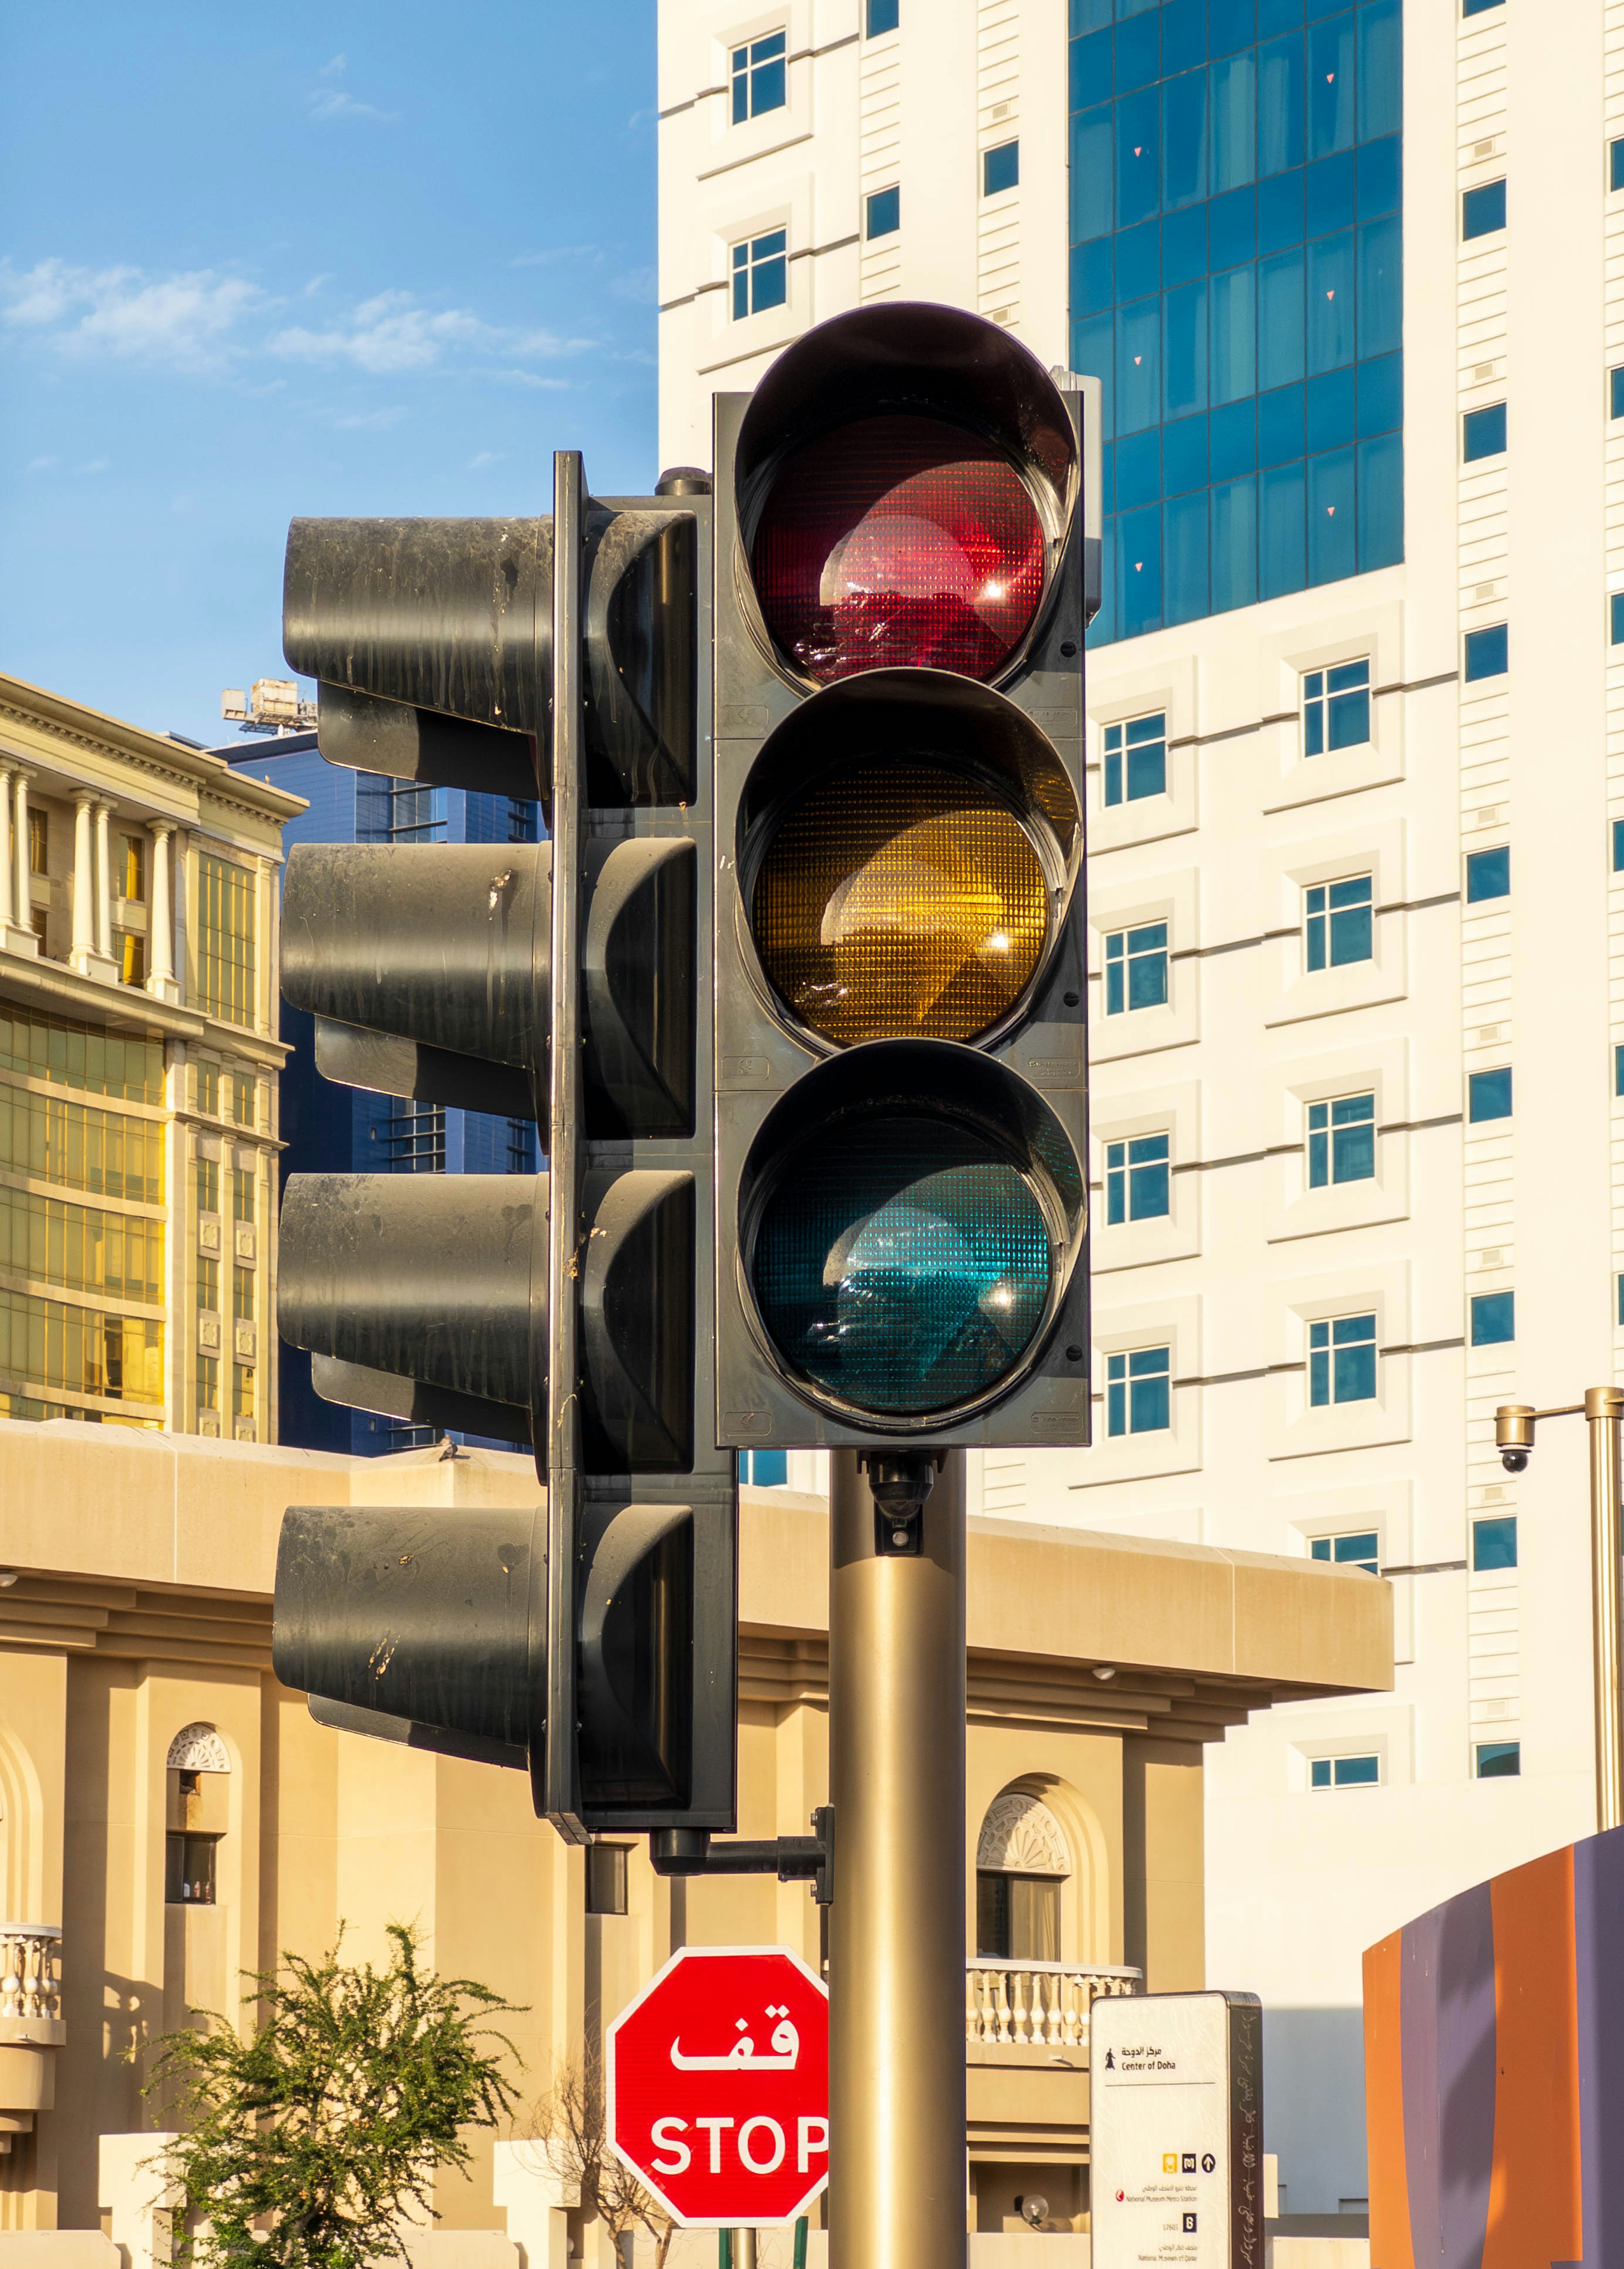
column 327, row 2124
column 569, row 2125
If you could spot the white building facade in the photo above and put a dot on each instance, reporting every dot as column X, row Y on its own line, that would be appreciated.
column 1354, row 277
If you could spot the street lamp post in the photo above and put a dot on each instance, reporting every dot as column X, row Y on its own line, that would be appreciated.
column 1603, row 1410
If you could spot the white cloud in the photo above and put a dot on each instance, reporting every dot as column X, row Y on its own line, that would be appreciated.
column 43, row 464
column 183, row 320
column 486, row 457
column 331, row 101
column 94, row 465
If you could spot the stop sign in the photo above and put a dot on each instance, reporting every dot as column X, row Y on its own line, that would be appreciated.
column 718, row 2085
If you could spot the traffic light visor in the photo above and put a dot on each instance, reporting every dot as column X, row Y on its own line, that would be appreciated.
column 905, row 476
column 904, row 1244
column 905, row 846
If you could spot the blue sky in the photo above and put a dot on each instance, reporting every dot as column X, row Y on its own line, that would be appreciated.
column 258, row 261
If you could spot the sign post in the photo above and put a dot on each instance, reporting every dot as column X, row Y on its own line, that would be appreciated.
column 1176, row 2131
column 717, row 2084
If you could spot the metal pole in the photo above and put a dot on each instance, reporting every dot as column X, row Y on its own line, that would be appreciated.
column 743, row 2249
column 1603, row 1406
column 897, row 1925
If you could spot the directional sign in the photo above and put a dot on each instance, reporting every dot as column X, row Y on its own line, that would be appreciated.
column 1176, row 2122
column 719, row 2085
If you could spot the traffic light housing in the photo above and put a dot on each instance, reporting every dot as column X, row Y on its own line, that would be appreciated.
column 901, row 964
column 595, row 1646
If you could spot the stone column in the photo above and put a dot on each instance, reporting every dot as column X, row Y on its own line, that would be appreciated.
column 8, row 864
column 160, row 919
column 20, row 937
column 82, row 948
column 103, row 882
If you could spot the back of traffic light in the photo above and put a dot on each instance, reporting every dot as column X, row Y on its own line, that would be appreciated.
column 560, row 981
column 901, row 599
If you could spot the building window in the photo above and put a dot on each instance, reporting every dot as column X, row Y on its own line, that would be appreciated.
column 131, row 957
column 1136, row 968
column 1001, row 168
column 1341, row 1361
column 1615, row 389
column 207, row 1178
column 884, row 212
column 1483, row 434
column 606, row 1878
column 760, row 274
column 1336, row 707
column 1341, row 1140
column 1499, row 1760
column 1487, row 653
column 208, row 1382
column 1135, row 758
column 1488, row 873
column 132, row 867
column 1017, row 1917
column 243, row 1294
column 38, row 840
column 226, row 961
column 242, row 1390
column 1617, row 845
column 758, row 70
column 1137, row 1180
column 1489, row 1094
column 1493, row 1543
column 189, row 1869
column 881, row 16
column 1338, row 923
column 242, row 1192
column 1345, row 1772
column 1480, row 7
column 1138, row 1392
column 208, row 1284
column 1615, row 165
column 241, row 1084
column 765, row 1469
column 207, row 1088
column 1359, row 1549
column 1615, row 624
column 1483, row 210
column 1493, row 1318
column 1617, row 1071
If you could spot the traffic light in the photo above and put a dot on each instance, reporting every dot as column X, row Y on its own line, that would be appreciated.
column 594, row 1647
column 901, row 968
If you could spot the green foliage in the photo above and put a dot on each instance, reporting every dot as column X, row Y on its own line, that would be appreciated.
column 329, row 2121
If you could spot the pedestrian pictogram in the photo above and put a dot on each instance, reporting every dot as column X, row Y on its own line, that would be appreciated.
column 719, row 2085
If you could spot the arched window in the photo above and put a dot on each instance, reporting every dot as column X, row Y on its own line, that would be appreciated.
column 197, row 1764
column 1021, row 1862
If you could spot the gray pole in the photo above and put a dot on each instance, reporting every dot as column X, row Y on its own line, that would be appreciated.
column 743, row 2249
column 897, row 2180
column 1603, row 1408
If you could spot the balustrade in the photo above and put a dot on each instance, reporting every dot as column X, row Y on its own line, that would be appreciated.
column 1036, row 2005
column 30, row 1987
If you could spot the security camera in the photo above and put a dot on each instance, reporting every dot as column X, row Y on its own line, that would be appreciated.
column 1514, row 1461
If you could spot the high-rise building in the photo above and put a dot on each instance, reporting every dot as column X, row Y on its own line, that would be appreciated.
column 343, row 1130
column 138, row 1067
column 1348, row 273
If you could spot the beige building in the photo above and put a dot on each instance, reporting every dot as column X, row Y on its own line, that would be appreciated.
column 169, row 1814
column 138, row 1063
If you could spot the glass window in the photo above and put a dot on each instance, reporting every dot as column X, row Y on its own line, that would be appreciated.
column 243, row 1294
column 242, row 1192
column 1493, row 1543
column 189, row 1869
column 226, row 946
column 1341, row 1140
column 606, row 1878
column 765, row 1469
column 1619, row 1281
column 38, row 840
column 1489, row 1094
column 1499, row 1760
column 1135, row 758
column 1615, row 392
column 208, row 1282
column 1336, row 707
column 242, row 1391
column 884, row 212
column 1361, row 1548
column 1338, row 925
column 131, row 952
column 1137, row 1180
column 1136, row 968
column 1487, row 653
column 758, row 77
column 1615, row 627
column 1001, row 168
column 1488, row 873
column 208, row 1382
column 1478, row 7
column 1615, row 165
column 1617, row 845
column 1017, row 1917
column 881, row 16
column 1341, row 1361
column 1138, row 1392
column 1483, row 211
column 760, row 273
column 241, row 1087
column 1617, row 1071
column 1345, row 1772
column 131, row 867
column 1493, row 1318
column 1483, row 432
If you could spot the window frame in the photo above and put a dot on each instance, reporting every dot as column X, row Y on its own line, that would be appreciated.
column 1125, row 1176
column 1320, row 923
column 1476, row 1118
column 1497, row 1521
column 746, row 65
column 875, row 225
column 1476, row 426
column 1009, row 151
column 1493, row 1754
column 1496, row 658
column 1126, row 761
column 744, row 272
column 1489, row 1307
column 1328, row 1143
column 1481, row 198
column 1120, row 963
column 1125, row 1387
column 1324, row 704
column 1478, row 863
column 1332, row 1358
column 1371, row 1563
column 1333, row 1781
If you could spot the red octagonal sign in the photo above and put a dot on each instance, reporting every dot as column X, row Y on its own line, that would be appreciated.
column 719, row 2085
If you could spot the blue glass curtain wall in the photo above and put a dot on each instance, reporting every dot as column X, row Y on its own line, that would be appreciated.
column 1236, row 284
